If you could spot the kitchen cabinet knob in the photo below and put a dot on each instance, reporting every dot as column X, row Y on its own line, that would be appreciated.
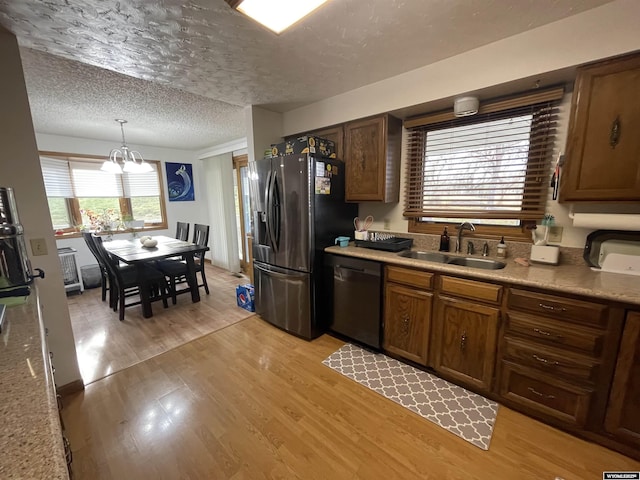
column 535, row 392
column 405, row 325
column 463, row 341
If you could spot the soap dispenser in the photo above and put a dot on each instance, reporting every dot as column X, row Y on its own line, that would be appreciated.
column 501, row 249
column 444, row 241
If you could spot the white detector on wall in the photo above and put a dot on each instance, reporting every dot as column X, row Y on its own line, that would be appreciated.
column 465, row 106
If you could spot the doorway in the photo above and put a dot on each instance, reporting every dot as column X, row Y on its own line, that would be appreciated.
column 243, row 213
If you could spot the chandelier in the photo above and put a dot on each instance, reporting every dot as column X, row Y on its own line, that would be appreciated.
column 132, row 161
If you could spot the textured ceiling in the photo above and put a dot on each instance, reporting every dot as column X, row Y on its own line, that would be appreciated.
column 181, row 71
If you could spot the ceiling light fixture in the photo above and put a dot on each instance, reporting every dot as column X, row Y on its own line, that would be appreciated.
column 132, row 161
column 276, row 15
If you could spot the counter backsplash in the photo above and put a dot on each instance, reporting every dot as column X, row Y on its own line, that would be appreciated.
column 568, row 255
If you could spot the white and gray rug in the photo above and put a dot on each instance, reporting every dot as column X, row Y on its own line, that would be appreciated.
column 463, row 413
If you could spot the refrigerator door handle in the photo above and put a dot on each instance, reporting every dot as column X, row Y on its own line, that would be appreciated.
column 268, row 194
column 275, row 273
column 275, row 218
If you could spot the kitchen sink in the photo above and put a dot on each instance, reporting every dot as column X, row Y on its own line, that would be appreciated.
column 436, row 257
column 427, row 256
column 476, row 263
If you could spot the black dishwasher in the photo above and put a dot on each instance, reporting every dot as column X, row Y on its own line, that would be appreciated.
column 357, row 287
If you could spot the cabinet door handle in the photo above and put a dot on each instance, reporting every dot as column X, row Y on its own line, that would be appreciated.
column 551, row 307
column 405, row 325
column 545, row 361
column 614, row 134
column 463, row 341
column 547, row 334
column 535, row 392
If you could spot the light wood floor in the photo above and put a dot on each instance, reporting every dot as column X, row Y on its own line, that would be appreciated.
column 250, row 401
column 106, row 345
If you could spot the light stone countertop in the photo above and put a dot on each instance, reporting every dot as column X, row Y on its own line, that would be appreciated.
column 574, row 279
column 30, row 435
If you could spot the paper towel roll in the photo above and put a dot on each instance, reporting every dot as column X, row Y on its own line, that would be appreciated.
column 607, row 221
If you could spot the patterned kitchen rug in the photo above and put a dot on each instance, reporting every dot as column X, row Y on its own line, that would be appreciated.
column 463, row 413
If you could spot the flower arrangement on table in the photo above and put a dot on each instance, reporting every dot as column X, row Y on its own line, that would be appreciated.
column 106, row 222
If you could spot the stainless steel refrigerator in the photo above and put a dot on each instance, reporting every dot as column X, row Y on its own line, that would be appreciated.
column 298, row 210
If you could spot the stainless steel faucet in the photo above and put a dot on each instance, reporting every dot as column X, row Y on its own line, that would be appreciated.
column 461, row 228
column 470, row 250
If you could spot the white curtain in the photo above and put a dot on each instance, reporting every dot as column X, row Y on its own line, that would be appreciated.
column 223, row 236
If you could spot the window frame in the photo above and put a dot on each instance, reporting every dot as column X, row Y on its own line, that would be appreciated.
column 73, row 204
column 519, row 233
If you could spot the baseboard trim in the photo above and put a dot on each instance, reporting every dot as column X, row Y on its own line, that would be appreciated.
column 73, row 387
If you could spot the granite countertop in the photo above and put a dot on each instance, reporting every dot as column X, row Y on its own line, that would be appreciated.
column 30, row 435
column 575, row 279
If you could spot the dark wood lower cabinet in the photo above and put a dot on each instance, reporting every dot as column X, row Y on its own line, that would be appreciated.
column 563, row 359
column 407, row 322
column 623, row 411
column 545, row 394
column 464, row 341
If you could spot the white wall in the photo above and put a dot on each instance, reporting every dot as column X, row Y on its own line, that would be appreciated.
column 264, row 128
column 20, row 169
column 609, row 30
column 598, row 33
column 192, row 212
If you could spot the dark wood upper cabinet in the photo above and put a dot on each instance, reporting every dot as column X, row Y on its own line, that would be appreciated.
column 372, row 159
column 603, row 146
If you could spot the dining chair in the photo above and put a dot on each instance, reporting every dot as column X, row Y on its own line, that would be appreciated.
column 182, row 231
column 104, row 273
column 176, row 270
column 125, row 281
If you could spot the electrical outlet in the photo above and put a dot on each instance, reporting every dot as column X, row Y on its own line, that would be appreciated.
column 38, row 247
column 387, row 224
column 555, row 234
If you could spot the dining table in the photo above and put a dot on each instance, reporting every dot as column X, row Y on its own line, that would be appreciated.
column 133, row 252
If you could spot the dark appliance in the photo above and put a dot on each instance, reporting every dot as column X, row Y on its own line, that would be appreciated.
column 357, row 293
column 298, row 210
column 15, row 268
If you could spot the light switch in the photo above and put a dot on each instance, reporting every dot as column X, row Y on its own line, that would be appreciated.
column 38, row 247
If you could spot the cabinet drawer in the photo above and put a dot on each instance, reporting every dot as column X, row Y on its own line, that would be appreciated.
column 471, row 289
column 545, row 395
column 559, row 307
column 557, row 334
column 407, row 276
column 551, row 361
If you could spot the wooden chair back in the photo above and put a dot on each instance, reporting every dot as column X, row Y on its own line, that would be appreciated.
column 182, row 231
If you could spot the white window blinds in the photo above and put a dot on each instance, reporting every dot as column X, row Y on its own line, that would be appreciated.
column 141, row 184
column 90, row 182
column 57, row 178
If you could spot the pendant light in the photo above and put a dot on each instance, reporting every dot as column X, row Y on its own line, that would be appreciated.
column 132, row 161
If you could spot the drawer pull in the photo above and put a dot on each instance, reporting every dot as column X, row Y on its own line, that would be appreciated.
column 551, row 307
column 535, row 392
column 545, row 361
column 547, row 334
